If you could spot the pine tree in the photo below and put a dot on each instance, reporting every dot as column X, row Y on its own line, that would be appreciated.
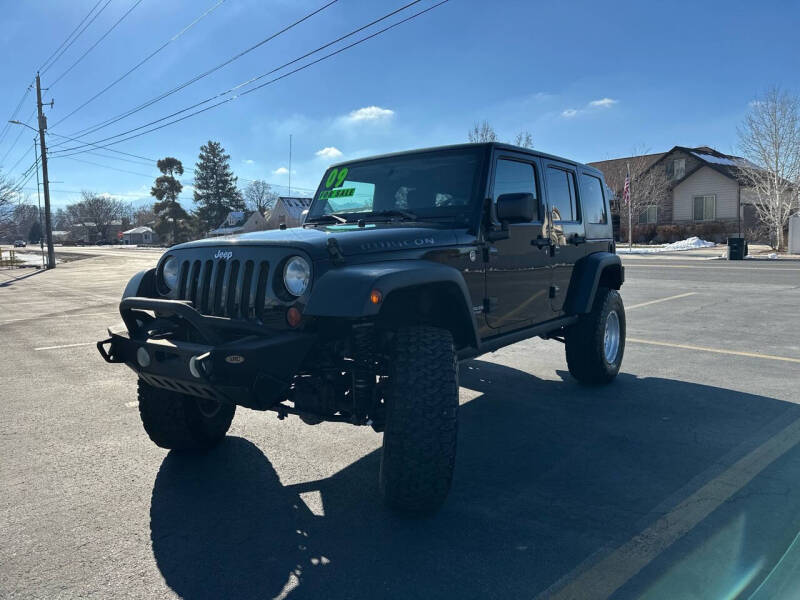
column 170, row 215
column 215, row 189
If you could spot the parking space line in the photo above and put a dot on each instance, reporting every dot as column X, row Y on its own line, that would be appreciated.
column 604, row 577
column 663, row 266
column 715, row 350
column 65, row 346
column 660, row 300
column 38, row 318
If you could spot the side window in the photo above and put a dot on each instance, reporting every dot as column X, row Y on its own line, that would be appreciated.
column 592, row 202
column 514, row 177
column 561, row 190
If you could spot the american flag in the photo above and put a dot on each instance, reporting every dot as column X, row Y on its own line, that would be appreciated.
column 626, row 190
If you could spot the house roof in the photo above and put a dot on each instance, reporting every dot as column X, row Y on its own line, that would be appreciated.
column 730, row 166
column 138, row 230
column 294, row 206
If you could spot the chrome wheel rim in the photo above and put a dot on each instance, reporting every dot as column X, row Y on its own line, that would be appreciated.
column 611, row 337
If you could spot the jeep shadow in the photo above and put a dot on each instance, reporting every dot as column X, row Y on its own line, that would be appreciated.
column 549, row 472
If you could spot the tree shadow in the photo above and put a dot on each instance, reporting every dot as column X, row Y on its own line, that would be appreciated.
column 548, row 472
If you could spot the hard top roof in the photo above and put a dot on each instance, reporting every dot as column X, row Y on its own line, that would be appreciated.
column 485, row 145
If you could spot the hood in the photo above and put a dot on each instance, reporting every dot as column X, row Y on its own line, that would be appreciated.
column 352, row 239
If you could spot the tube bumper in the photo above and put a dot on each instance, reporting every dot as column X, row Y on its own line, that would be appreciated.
column 236, row 362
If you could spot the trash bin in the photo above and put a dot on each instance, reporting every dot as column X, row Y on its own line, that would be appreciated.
column 736, row 248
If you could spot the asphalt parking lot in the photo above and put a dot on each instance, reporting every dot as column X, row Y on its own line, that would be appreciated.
column 679, row 480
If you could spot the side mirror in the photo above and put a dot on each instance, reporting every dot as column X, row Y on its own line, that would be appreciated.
column 516, row 208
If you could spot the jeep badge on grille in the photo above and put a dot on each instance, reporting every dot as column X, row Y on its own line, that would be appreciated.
column 223, row 254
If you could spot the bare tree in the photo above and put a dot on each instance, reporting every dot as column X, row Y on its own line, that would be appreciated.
column 259, row 196
column 769, row 138
column 649, row 185
column 100, row 211
column 524, row 139
column 9, row 197
column 482, row 132
column 144, row 216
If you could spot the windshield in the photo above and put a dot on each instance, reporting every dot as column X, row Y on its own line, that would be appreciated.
column 432, row 185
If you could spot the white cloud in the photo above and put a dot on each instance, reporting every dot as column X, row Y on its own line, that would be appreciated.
column 249, row 161
column 329, row 152
column 280, row 171
column 603, row 103
column 594, row 105
column 370, row 113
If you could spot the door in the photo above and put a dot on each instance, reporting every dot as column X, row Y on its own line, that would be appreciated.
column 567, row 234
column 517, row 271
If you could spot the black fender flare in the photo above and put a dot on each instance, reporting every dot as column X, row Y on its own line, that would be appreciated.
column 587, row 276
column 143, row 284
column 344, row 292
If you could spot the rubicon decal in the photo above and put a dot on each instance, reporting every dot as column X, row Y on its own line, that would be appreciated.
column 223, row 255
column 388, row 244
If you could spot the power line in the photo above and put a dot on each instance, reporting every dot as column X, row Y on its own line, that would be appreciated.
column 70, row 35
column 88, row 162
column 60, row 54
column 93, row 46
column 98, row 143
column 141, row 62
column 14, row 114
column 196, row 78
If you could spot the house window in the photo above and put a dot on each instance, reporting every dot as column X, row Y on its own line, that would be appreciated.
column 648, row 215
column 678, row 168
column 705, row 208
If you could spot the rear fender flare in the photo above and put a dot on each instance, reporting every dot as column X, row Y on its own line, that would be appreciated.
column 599, row 268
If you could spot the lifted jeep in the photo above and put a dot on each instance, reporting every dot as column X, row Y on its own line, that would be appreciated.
column 405, row 264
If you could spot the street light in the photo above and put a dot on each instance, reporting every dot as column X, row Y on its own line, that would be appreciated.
column 48, row 230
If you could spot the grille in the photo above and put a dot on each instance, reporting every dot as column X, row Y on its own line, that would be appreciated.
column 225, row 288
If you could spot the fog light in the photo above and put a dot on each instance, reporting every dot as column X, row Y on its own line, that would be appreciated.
column 293, row 317
column 375, row 296
column 142, row 357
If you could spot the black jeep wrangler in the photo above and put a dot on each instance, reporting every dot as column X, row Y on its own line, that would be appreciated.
column 405, row 264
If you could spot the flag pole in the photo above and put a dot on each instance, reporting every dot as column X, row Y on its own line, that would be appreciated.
column 630, row 210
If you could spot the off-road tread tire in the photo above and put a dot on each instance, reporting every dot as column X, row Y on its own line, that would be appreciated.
column 173, row 421
column 584, row 340
column 419, row 442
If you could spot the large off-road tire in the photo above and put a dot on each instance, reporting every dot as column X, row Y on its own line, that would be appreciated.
column 596, row 343
column 419, row 443
column 180, row 422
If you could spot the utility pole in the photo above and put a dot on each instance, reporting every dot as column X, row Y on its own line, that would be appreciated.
column 39, row 198
column 48, row 228
column 290, row 166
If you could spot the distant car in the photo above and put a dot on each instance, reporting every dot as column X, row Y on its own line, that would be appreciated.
column 20, row 244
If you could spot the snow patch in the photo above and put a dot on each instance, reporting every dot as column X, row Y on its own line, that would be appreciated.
column 691, row 243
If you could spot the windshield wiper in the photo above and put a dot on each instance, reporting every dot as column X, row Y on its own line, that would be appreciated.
column 328, row 217
column 405, row 214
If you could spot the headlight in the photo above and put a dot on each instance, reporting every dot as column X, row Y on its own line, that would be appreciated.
column 296, row 275
column 170, row 272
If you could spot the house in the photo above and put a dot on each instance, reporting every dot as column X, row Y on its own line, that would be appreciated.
column 698, row 188
column 139, row 235
column 288, row 211
column 240, row 221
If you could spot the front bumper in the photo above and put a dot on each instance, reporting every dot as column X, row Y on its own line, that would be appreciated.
column 234, row 361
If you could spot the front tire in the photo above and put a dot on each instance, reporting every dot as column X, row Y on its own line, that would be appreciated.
column 179, row 422
column 596, row 343
column 419, row 443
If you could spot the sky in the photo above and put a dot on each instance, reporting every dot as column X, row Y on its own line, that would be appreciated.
column 590, row 81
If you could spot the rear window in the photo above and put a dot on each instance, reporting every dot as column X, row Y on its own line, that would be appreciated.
column 592, row 201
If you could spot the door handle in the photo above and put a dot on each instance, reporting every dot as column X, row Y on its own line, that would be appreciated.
column 577, row 239
column 541, row 242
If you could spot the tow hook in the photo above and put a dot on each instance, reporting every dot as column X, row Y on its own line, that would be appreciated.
column 198, row 367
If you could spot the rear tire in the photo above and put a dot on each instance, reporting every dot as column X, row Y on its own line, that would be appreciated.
column 179, row 422
column 419, row 443
column 596, row 343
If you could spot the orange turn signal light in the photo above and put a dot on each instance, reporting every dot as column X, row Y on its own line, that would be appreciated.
column 375, row 296
column 293, row 316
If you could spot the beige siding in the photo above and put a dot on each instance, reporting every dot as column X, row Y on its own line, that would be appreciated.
column 703, row 182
